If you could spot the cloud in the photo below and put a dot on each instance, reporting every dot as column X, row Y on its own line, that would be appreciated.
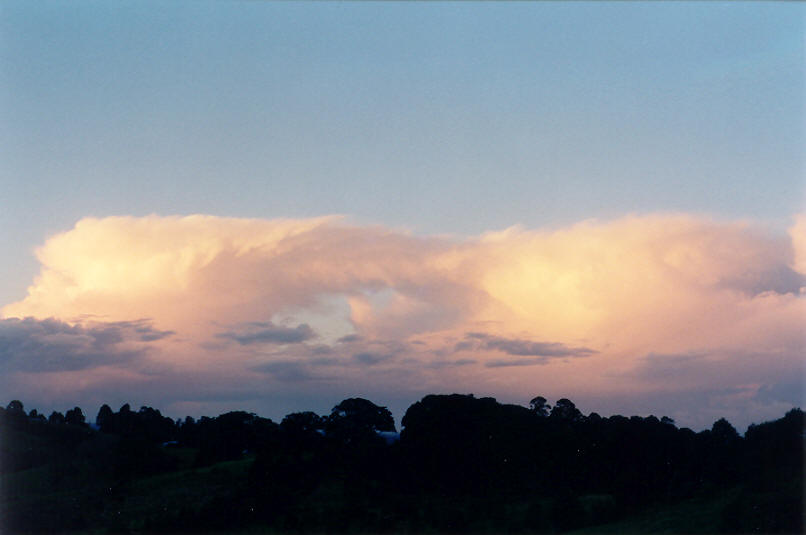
column 791, row 391
column 253, row 303
column 438, row 364
column 519, row 362
column 797, row 235
column 370, row 357
column 268, row 333
column 516, row 346
column 287, row 370
column 50, row 345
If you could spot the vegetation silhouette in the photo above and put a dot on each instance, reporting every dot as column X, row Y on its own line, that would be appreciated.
column 460, row 464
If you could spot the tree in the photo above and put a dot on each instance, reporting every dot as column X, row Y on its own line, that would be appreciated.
column 723, row 431
column 302, row 424
column 359, row 413
column 565, row 409
column 74, row 416
column 15, row 414
column 357, row 420
column 153, row 425
column 104, row 418
column 56, row 418
column 540, row 406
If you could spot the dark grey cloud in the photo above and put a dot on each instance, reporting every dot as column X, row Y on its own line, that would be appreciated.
column 286, row 370
column 298, row 370
column 667, row 366
column 372, row 357
column 729, row 378
column 450, row 363
column 777, row 278
column 350, row 338
column 466, row 345
column 791, row 391
column 378, row 351
column 325, row 361
column 149, row 334
column 535, row 361
column 520, row 347
column 321, row 349
column 119, row 331
column 48, row 345
column 268, row 333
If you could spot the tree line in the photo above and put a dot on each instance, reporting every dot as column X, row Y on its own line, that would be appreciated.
column 460, row 464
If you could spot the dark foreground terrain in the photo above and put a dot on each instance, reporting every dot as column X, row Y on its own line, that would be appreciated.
column 460, row 465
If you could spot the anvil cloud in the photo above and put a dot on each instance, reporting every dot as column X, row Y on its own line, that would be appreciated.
column 621, row 315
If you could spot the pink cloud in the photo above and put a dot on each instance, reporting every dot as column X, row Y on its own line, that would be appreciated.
column 251, row 301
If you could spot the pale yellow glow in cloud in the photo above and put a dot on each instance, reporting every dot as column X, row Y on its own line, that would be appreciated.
column 798, row 233
column 630, row 291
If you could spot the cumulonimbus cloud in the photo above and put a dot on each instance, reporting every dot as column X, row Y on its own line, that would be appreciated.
column 270, row 297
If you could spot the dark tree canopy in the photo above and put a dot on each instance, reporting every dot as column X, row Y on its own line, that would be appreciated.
column 565, row 409
column 724, row 431
column 74, row 416
column 56, row 418
column 104, row 418
column 302, row 422
column 359, row 413
column 461, row 465
column 540, row 406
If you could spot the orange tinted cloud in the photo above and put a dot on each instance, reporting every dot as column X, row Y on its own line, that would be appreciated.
column 631, row 307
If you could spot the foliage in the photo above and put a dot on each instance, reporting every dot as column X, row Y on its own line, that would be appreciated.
column 462, row 464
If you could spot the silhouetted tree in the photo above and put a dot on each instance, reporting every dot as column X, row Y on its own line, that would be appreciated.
column 74, row 416
column 152, row 425
column 188, row 432
column 540, row 406
column 302, row 429
column 724, row 432
column 56, row 418
column 302, row 422
column 462, row 444
column 14, row 415
column 357, row 418
column 565, row 409
column 104, row 418
column 462, row 465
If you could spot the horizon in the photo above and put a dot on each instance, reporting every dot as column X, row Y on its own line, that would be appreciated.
column 397, row 417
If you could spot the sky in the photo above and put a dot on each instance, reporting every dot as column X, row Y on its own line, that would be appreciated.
column 210, row 206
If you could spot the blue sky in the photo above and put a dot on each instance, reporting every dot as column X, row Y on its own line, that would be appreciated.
column 427, row 125
column 443, row 118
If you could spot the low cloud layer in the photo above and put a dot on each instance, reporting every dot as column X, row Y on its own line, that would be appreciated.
column 658, row 305
column 50, row 345
column 268, row 333
column 516, row 346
